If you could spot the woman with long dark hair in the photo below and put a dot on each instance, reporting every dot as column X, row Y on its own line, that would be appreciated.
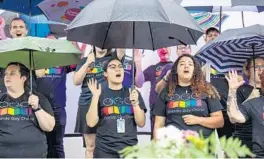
column 188, row 102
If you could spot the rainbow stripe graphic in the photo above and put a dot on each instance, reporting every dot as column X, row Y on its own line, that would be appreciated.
column 125, row 109
column 16, row 111
column 52, row 71
column 185, row 103
column 95, row 70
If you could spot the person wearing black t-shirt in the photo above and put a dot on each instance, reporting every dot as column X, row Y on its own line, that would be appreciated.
column 90, row 67
column 188, row 102
column 151, row 74
column 23, row 117
column 252, row 110
column 116, row 110
column 246, row 92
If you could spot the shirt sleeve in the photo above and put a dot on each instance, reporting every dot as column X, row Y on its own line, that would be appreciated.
column 81, row 64
column 160, row 106
column 141, row 102
column 148, row 74
column 214, row 104
column 45, row 104
column 165, row 70
column 70, row 68
column 245, row 109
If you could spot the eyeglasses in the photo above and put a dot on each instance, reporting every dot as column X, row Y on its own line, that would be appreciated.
column 258, row 67
column 113, row 66
column 183, row 48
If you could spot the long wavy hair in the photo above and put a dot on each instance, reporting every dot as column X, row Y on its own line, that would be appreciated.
column 199, row 86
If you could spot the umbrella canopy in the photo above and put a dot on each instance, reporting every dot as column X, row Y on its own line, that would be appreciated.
column 38, row 53
column 207, row 20
column 148, row 24
column 40, row 26
column 224, row 5
column 28, row 7
column 233, row 47
column 62, row 10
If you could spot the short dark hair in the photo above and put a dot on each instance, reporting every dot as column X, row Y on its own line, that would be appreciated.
column 110, row 60
column 24, row 71
column 211, row 29
column 247, row 65
column 18, row 19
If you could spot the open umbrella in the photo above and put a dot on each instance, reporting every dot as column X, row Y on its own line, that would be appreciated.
column 38, row 53
column 148, row 24
column 28, row 7
column 233, row 47
column 62, row 10
column 224, row 5
column 40, row 26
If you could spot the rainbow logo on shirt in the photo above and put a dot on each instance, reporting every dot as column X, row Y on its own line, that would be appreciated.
column 15, row 111
column 125, row 109
column 52, row 71
column 185, row 103
column 95, row 70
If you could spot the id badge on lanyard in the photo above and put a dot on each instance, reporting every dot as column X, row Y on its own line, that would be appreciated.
column 120, row 122
column 121, row 125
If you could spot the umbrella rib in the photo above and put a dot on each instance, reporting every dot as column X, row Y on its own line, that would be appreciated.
column 191, row 35
column 106, row 34
column 151, row 36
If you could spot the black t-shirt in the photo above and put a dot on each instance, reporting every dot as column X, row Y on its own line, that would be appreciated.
column 107, row 137
column 20, row 134
column 97, row 73
column 53, row 86
column 244, row 131
column 253, row 110
column 184, row 102
column 221, row 85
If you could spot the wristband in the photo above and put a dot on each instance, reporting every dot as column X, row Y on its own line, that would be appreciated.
column 35, row 110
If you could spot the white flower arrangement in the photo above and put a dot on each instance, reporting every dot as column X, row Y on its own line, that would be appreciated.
column 174, row 143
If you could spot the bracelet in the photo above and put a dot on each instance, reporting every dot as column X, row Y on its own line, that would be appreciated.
column 35, row 110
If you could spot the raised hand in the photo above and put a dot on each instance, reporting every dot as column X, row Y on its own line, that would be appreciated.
column 33, row 101
column 233, row 80
column 92, row 85
column 133, row 94
column 138, row 56
column 90, row 60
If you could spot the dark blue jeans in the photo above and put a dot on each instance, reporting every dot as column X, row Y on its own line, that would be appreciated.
column 55, row 142
column 152, row 122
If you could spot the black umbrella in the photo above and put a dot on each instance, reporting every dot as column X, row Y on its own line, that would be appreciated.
column 148, row 24
column 141, row 24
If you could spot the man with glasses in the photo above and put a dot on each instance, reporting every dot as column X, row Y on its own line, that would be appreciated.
column 181, row 49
